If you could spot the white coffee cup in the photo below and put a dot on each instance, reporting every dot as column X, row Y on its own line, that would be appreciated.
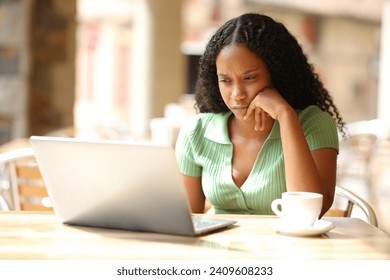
column 298, row 209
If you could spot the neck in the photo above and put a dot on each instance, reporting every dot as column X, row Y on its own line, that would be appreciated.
column 246, row 129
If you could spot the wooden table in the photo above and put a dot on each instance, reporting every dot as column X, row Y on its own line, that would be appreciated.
column 39, row 236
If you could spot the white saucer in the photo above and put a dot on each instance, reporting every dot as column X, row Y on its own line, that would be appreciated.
column 320, row 227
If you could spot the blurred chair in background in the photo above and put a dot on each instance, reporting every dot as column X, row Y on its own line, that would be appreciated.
column 357, row 151
column 3, row 204
column 350, row 200
column 19, row 169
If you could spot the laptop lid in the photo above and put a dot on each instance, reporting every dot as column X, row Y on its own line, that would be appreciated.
column 112, row 184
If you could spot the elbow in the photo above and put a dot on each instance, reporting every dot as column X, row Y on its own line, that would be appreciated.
column 327, row 203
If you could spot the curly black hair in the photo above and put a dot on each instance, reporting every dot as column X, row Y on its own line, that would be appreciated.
column 291, row 73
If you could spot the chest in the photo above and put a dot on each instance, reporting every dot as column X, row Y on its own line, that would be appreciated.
column 264, row 182
column 231, row 183
column 244, row 157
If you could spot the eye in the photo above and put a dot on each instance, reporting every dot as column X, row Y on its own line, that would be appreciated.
column 249, row 78
column 224, row 81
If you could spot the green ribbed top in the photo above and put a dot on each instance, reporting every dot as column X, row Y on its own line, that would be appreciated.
column 204, row 149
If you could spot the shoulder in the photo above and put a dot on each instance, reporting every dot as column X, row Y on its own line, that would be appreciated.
column 319, row 128
column 310, row 111
column 194, row 129
column 206, row 123
column 210, row 126
column 314, row 116
column 197, row 123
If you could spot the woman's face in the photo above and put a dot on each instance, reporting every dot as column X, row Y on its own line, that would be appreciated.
column 241, row 76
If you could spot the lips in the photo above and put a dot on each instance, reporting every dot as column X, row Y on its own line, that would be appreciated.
column 239, row 107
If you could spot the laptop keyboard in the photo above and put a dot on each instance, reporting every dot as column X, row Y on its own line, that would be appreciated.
column 206, row 223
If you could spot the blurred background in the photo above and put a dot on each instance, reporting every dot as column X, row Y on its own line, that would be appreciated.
column 126, row 69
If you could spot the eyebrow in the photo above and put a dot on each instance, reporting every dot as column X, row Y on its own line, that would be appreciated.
column 244, row 73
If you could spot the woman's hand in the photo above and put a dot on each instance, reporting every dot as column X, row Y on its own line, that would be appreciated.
column 267, row 103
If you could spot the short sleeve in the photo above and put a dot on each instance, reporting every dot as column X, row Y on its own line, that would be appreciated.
column 185, row 152
column 319, row 128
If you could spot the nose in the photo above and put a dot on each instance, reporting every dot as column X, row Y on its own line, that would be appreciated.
column 238, row 92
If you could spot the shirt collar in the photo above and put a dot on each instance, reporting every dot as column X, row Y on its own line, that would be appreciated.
column 217, row 131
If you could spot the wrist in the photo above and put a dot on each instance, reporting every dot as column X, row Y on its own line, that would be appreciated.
column 285, row 113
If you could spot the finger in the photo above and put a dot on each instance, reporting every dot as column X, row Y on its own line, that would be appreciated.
column 249, row 112
column 263, row 117
column 258, row 118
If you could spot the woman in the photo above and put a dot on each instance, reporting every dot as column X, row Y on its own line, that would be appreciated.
column 266, row 125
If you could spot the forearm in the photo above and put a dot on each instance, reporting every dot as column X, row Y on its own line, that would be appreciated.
column 301, row 170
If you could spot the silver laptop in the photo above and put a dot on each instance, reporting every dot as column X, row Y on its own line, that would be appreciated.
column 122, row 185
